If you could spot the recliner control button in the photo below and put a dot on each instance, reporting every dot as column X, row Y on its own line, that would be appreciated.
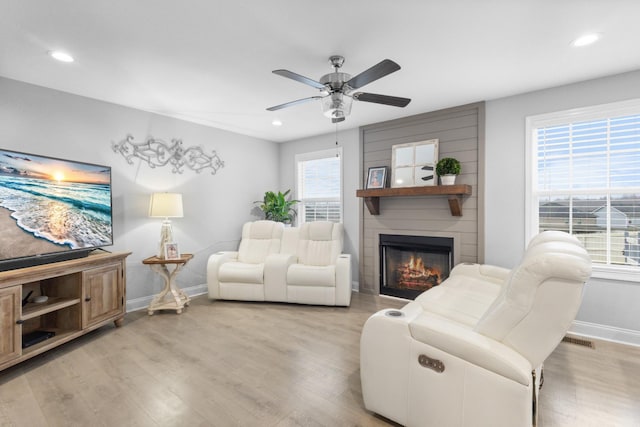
column 430, row 363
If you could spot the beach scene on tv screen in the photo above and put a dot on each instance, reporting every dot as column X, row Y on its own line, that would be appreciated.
column 50, row 205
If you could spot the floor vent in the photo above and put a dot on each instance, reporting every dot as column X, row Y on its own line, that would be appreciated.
column 579, row 341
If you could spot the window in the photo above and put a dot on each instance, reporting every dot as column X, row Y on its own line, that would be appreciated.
column 319, row 186
column 584, row 178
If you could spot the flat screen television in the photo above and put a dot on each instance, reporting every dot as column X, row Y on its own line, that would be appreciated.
column 51, row 209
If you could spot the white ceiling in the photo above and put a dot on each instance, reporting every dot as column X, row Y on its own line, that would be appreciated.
column 210, row 61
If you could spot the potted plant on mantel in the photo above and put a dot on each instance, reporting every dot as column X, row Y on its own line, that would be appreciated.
column 447, row 168
column 277, row 207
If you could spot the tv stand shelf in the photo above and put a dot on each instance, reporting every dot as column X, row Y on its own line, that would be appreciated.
column 455, row 193
column 83, row 294
column 61, row 337
column 33, row 309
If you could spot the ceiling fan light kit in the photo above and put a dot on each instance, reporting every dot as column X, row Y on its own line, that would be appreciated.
column 336, row 106
column 337, row 88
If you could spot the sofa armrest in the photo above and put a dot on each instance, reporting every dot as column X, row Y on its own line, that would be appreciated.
column 275, row 276
column 488, row 272
column 213, row 267
column 464, row 343
column 343, row 280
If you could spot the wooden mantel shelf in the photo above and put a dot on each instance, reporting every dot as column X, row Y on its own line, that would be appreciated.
column 455, row 193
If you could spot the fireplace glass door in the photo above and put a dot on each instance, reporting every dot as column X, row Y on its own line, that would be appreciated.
column 410, row 265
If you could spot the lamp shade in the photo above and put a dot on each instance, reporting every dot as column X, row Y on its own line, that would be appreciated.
column 166, row 205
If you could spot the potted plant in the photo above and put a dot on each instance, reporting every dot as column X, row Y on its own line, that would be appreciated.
column 277, row 207
column 447, row 169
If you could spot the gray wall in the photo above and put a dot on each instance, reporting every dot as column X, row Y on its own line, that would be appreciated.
column 610, row 307
column 348, row 140
column 460, row 132
column 47, row 122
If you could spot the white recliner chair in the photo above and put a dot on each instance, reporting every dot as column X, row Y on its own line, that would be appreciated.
column 321, row 274
column 469, row 351
column 240, row 274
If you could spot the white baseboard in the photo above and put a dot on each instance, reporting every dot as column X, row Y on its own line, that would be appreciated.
column 143, row 303
column 607, row 333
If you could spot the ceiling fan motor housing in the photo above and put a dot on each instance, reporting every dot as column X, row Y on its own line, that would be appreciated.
column 336, row 81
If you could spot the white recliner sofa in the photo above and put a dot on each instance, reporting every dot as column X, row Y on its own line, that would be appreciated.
column 302, row 265
column 469, row 351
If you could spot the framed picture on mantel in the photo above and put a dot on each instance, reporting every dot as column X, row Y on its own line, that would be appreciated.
column 413, row 164
column 377, row 177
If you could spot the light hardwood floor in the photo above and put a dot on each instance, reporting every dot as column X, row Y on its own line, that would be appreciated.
column 261, row 364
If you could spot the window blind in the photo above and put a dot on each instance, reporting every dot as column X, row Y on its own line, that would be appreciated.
column 588, row 183
column 320, row 187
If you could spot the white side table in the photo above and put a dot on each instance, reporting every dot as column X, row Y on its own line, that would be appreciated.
column 171, row 297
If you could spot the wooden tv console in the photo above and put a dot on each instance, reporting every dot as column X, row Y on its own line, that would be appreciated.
column 83, row 294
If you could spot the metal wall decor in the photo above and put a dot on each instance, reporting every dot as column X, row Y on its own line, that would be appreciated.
column 157, row 153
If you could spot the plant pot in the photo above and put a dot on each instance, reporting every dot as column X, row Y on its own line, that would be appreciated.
column 448, row 179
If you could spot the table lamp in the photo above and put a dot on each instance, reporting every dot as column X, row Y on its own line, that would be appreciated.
column 165, row 205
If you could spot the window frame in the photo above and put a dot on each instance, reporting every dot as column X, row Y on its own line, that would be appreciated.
column 317, row 155
column 590, row 113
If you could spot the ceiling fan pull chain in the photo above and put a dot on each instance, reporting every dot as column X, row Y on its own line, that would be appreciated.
column 337, row 151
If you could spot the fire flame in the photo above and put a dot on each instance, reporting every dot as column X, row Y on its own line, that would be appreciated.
column 415, row 273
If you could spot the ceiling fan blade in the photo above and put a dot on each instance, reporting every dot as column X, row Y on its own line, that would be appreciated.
column 297, row 77
column 337, row 119
column 376, row 72
column 296, row 102
column 382, row 99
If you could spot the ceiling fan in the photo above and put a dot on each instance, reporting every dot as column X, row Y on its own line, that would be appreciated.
column 337, row 88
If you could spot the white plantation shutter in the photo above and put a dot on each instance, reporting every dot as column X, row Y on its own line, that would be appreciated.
column 319, row 186
column 585, row 179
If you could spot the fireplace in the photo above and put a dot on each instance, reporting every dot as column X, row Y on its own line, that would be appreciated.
column 410, row 265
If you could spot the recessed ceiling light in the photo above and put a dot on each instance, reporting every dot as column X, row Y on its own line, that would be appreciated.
column 586, row 40
column 61, row 56
column 276, row 122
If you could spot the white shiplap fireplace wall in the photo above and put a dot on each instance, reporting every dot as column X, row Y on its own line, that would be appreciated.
column 460, row 132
